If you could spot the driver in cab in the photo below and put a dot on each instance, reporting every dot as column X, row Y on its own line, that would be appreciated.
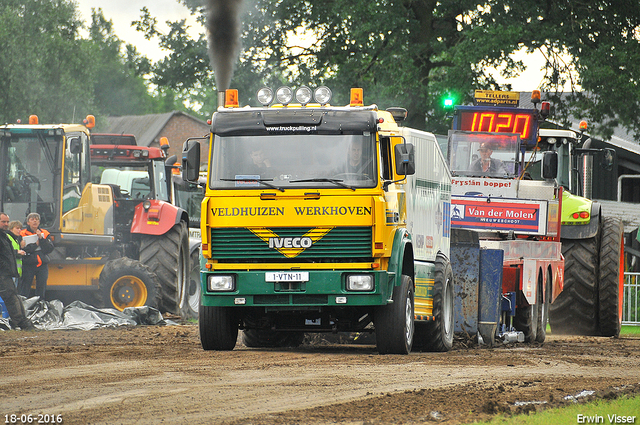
column 485, row 165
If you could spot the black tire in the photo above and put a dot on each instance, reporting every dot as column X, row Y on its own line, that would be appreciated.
column 394, row 323
column 543, row 308
column 127, row 283
column 168, row 256
column 190, row 298
column 574, row 311
column 437, row 335
column 218, row 328
column 611, row 277
column 259, row 338
column 526, row 320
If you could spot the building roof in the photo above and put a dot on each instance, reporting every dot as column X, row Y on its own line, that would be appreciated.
column 146, row 128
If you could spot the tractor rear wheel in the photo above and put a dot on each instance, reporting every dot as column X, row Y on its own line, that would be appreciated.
column 127, row 283
column 190, row 297
column 168, row 256
column 574, row 311
column 611, row 281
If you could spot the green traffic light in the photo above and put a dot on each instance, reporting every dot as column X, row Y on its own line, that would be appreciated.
column 448, row 103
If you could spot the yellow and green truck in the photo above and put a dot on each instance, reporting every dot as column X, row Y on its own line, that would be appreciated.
column 319, row 218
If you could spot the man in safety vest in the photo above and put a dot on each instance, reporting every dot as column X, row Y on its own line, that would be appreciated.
column 16, row 240
column 9, row 270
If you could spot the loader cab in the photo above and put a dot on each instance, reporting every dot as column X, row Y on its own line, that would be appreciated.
column 43, row 169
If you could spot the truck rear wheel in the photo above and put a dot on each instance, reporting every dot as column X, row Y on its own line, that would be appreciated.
column 526, row 318
column 168, row 256
column 190, row 297
column 259, row 338
column 544, row 298
column 394, row 323
column 611, row 277
column 218, row 328
column 127, row 283
column 574, row 311
column 437, row 335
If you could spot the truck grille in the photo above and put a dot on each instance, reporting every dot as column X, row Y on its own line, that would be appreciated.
column 350, row 244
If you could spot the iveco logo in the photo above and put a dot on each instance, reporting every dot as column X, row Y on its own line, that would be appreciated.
column 304, row 242
column 290, row 247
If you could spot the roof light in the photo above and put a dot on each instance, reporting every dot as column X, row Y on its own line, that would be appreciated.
column 265, row 96
column 583, row 125
column 231, row 98
column 322, row 95
column 164, row 143
column 545, row 109
column 33, row 119
column 552, row 140
column 284, row 95
column 356, row 98
column 90, row 121
column 303, row 95
column 535, row 97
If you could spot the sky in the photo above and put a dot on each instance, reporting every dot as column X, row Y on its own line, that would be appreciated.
column 122, row 12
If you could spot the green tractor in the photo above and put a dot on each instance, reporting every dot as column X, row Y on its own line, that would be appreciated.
column 592, row 244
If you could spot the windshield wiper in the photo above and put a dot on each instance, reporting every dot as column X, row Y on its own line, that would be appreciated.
column 263, row 181
column 320, row 180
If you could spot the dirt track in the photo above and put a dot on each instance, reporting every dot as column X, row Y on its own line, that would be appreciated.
column 161, row 375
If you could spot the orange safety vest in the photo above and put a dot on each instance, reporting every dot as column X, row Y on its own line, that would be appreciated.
column 26, row 232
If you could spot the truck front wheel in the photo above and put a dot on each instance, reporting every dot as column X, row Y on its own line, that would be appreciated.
column 218, row 328
column 168, row 256
column 611, row 277
column 394, row 323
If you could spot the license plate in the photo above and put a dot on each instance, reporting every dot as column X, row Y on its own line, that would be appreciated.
column 286, row 277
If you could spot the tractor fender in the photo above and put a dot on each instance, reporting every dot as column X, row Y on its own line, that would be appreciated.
column 401, row 260
column 583, row 231
column 158, row 219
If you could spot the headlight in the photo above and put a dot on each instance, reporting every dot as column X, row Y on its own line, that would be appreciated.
column 552, row 140
column 221, row 283
column 359, row 282
column 284, row 95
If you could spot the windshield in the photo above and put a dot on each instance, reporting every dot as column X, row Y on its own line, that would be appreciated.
column 29, row 176
column 293, row 161
column 133, row 180
column 188, row 196
column 477, row 154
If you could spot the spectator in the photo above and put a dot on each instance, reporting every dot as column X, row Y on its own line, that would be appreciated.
column 8, row 271
column 35, row 263
column 14, row 233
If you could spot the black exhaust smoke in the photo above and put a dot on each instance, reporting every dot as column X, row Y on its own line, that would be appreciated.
column 223, row 29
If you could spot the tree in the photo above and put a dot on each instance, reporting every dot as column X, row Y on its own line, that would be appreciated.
column 414, row 53
column 42, row 67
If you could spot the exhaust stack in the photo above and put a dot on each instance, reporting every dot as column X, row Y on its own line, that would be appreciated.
column 221, row 99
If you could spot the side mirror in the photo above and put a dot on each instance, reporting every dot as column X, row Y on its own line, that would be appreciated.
column 550, row 165
column 169, row 162
column 608, row 157
column 191, row 161
column 405, row 159
column 75, row 145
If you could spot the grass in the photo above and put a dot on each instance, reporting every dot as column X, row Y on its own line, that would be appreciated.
column 627, row 330
column 622, row 407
